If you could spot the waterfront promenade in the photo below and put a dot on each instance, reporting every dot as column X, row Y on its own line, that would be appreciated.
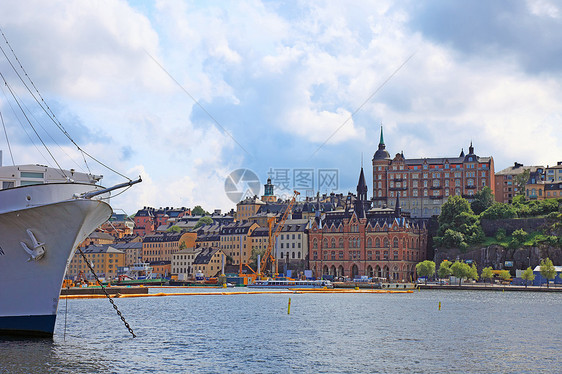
column 490, row 287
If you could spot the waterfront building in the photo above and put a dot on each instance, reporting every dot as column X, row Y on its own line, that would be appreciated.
column 209, row 262
column 292, row 245
column 505, row 187
column 105, row 259
column 161, row 269
column 159, row 247
column 424, row 184
column 133, row 251
column 364, row 241
column 236, row 242
column 182, row 263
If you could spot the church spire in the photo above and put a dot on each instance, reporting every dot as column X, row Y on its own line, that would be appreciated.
column 381, row 142
column 362, row 187
column 397, row 208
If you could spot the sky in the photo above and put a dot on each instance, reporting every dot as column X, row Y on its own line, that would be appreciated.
column 184, row 93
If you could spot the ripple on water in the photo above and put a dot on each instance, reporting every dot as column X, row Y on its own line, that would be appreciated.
column 478, row 332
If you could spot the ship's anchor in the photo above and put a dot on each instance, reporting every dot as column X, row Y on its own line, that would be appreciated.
column 38, row 250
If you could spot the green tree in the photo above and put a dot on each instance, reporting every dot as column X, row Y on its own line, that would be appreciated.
column 425, row 269
column 519, row 181
column 483, row 199
column 547, row 270
column 174, row 228
column 444, row 269
column 205, row 220
column 500, row 235
column 498, row 211
column 520, row 235
column 504, row 275
column 198, row 211
column 452, row 239
column 528, row 275
column 460, row 270
column 454, row 206
column 473, row 272
column 487, row 273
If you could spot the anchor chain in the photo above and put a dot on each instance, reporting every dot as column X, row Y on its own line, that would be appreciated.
column 106, row 294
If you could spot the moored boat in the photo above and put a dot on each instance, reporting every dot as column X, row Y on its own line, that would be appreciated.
column 285, row 283
column 43, row 218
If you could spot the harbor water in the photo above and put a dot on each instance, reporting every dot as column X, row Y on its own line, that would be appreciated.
column 473, row 332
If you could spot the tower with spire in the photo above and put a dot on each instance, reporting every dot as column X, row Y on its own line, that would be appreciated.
column 422, row 185
column 268, row 195
column 362, row 204
column 381, row 162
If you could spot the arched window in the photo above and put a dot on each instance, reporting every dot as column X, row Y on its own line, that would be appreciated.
column 314, row 243
column 395, row 243
column 386, row 243
column 333, row 243
column 369, row 242
column 341, row 243
column 350, row 243
column 377, row 242
column 325, row 243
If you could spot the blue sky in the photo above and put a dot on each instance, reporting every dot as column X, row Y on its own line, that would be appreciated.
column 276, row 84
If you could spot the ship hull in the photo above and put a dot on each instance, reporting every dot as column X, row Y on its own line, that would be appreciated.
column 30, row 288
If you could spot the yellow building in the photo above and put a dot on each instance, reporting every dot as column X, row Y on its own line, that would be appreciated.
column 105, row 260
column 236, row 242
column 247, row 208
column 208, row 262
column 534, row 191
column 159, row 247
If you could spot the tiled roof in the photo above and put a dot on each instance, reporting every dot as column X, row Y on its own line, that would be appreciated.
column 105, row 248
column 205, row 256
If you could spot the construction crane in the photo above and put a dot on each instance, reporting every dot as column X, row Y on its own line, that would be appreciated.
column 268, row 256
column 273, row 233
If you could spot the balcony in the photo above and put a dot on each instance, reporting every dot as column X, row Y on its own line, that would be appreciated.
column 436, row 197
column 398, row 179
column 468, row 197
column 435, row 187
column 398, row 188
column 470, row 187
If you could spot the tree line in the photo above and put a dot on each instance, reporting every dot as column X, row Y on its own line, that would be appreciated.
column 463, row 271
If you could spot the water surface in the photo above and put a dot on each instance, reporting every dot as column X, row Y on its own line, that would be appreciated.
column 476, row 332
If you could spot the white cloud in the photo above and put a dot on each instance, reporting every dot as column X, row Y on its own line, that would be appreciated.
column 295, row 70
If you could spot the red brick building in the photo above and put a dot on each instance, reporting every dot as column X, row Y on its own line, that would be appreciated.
column 424, row 184
column 358, row 241
column 506, row 186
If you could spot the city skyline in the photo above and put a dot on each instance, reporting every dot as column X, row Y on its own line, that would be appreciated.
column 184, row 93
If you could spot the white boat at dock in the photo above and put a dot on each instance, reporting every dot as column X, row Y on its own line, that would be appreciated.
column 285, row 283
